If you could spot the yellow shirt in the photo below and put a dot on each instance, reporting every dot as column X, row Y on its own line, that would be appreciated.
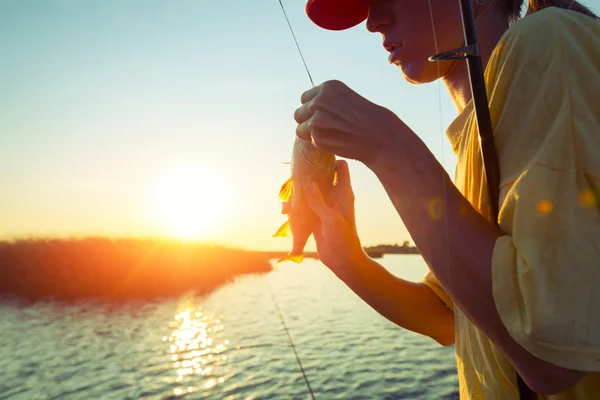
column 543, row 84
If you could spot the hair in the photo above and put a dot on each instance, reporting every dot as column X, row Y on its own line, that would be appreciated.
column 514, row 7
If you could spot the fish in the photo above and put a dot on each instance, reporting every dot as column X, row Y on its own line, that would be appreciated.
column 307, row 164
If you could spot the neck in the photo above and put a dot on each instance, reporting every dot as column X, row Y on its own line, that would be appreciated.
column 491, row 26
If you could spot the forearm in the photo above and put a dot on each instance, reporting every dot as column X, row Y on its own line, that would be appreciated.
column 457, row 243
column 410, row 305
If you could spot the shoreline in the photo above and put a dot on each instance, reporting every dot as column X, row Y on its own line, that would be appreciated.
column 131, row 268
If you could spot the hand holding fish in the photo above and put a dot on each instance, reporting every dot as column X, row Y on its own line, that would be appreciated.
column 337, row 241
column 338, row 120
column 333, row 120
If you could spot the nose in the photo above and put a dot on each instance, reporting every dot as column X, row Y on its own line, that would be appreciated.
column 379, row 18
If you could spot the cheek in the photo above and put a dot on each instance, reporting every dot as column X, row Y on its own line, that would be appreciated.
column 415, row 64
column 427, row 32
column 433, row 29
column 418, row 33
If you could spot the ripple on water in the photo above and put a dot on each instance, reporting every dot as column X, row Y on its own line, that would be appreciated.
column 229, row 345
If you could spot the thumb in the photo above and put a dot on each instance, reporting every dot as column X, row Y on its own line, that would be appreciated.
column 316, row 202
column 342, row 193
column 343, row 176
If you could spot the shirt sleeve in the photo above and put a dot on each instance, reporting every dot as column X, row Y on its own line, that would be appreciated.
column 546, row 268
column 434, row 284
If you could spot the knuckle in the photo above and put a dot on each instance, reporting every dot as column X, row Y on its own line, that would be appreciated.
column 302, row 131
column 335, row 84
column 317, row 142
column 312, row 108
column 298, row 114
column 304, row 96
column 304, row 112
column 318, row 120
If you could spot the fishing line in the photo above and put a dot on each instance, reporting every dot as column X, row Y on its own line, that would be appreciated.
column 312, row 395
column 295, row 41
column 442, row 141
column 443, row 180
column 439, row 86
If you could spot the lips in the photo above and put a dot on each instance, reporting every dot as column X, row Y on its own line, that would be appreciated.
column 390, row 47
column 394, row 50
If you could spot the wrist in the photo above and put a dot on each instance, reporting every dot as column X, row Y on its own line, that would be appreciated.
column 352, row 269
column 394, row 150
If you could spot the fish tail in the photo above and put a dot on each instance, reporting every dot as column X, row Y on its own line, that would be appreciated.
column 297, row 258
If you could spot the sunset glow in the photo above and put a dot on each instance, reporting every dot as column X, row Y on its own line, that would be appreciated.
column 95, row 117
column 190, row 201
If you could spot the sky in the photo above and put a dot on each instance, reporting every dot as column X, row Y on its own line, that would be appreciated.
column 101, row 101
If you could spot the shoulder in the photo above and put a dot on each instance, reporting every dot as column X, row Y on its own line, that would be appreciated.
column 544, row 48
column 543, row 82
column 544, row 33
column 548, row 17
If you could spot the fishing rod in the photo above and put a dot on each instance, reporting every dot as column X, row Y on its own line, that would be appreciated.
column 472, row 54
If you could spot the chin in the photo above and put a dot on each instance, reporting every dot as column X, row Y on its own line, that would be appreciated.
column 417, row 74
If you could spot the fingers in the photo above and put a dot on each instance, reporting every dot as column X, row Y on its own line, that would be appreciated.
column 343, row 187
column 310, row 94
column 319, row 114
column 325, row 87
column 313, row 128
column 304, row 112
column 304, row 130
column 320, row 128
column 343, row 173
column 304, row 115
column 342, row 195
column 316, row 202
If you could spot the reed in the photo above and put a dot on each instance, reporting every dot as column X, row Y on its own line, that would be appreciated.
column 119, row 268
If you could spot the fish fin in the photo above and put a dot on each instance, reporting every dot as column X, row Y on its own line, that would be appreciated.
column 286, row 190
column 297, row 258
column 284, row 230
column 335, row 178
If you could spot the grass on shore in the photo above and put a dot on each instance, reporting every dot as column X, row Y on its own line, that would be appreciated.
column 120, row 268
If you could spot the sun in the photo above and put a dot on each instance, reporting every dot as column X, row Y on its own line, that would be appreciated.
column 190, row 200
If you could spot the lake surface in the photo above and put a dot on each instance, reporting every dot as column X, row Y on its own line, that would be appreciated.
column 230, row 344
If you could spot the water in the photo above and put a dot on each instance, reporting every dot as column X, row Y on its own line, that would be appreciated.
column 229, row 345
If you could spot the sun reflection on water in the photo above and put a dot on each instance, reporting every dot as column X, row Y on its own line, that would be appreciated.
column 196, row 350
